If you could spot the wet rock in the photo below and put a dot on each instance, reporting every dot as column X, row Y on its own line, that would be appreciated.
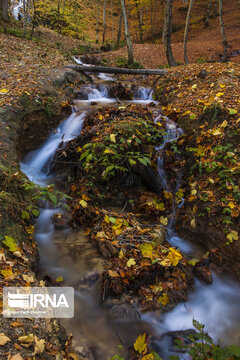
column 120, row 92
column 106, row 249
column 106, row 47
column 123, row 312
column 91, row 59
column 202, row 74
column 60, row 221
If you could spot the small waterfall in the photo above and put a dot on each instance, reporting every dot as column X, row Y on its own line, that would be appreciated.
column 16, row 9
column 36, row 163
column 143, row 93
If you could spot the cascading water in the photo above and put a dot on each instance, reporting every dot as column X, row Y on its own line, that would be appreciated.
column 55, row 262
column 16, row 9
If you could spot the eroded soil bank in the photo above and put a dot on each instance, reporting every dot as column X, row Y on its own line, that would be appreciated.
column 22, row 129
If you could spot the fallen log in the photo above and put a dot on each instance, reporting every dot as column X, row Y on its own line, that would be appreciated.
column 113, row 70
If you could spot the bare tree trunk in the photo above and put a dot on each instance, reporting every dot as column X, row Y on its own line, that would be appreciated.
column 62, row 18
column 112, row 20
column 215, row 9
column 167, row 32
column 190, row 4
column 119, row 27
column 127, row 35
column 24, row 18
column 139, row 22
column 104, row 22
column 224, row 38
column 206, row 20
column 58, row 15
column 97, row 25
column 34, row 18
column 153, row 20
column 4, row 9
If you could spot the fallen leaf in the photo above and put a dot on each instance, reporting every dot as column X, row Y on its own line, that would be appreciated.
column 113, row 138
column 16, row 357
column 140, row 345
column 4, row 339
column 174, row 256
column 27, row 339
column 39, row 346
column 131, row 262
column 83, row 203
column 28, row 278
column 164, row 299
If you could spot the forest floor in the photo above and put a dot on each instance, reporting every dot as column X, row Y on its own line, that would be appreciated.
column 26, row 69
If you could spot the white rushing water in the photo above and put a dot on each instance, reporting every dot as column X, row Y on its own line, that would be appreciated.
column 216, row 305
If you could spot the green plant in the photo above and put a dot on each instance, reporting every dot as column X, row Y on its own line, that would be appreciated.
column 123, row 63
column 201, row 347
column 120, row 151
column 201, row 60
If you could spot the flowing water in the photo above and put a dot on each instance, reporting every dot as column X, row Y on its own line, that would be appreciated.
column 70, row 255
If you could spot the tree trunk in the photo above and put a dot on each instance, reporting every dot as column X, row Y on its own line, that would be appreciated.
column 58, row 14
column 4, row 9
column 104, row 21
column 167, row 32
column 186, row 31
column 112, row 20
column 224, row 38
column 62, row 18
column 113, row 70
column 206, row 20
column 119, row 27
column 34, row 18
column 139, row 22
column 24, row 18
column 97, row 25
column 215, row 9
column 127, row 35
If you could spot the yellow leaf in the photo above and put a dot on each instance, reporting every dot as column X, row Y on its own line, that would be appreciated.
column 219, row 94
column 131, row 262
column 193, row 223
column 217, row 132
column 174, row 256
column 59, row 279
column 232, row 111
column 28, row 339
column 166, row 262
column 148, row 357
column 121, row 254
column 156, row 288
column 39, row 346
column 194, row 192
column 100, row 117
column 160, row 206
column 147, row 250
column 7, row 272
column 164, row 299
column 113, row 138
column 106, row 218
column 3, row 91
column 83, row 203
column 194, row 86
column 222, row 86
column 167, row 194
column 16, row 357
column 180, row 193
column 140, row 345
column 224, row 124
column 164, row 220
column 28, row 278
column 109, row 151
column 231, row 205
column 233, row 235
column 4, row 339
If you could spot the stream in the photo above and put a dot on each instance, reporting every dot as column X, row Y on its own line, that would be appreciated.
column 69, row 254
